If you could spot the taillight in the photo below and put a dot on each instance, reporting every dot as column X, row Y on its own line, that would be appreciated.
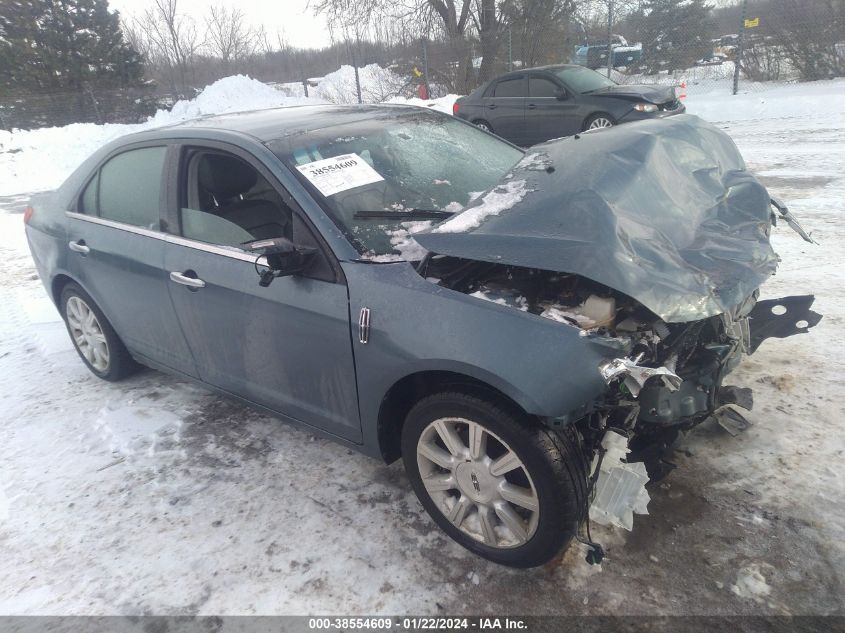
column 455, row 107
column 27, row 214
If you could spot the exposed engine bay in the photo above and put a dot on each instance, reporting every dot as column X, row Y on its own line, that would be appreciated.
column 671, row 374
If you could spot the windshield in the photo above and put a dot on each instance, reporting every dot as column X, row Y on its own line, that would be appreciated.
column 583, row 80
column 395, row 172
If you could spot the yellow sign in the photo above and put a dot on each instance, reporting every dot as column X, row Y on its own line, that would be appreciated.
column 750, row 23
column 417, row 72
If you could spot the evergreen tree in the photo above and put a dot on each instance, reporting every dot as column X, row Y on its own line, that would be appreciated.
column 64, row 45
column 675, row 33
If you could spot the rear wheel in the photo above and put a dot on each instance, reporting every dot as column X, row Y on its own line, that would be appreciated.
column 483, row 125
column 599, row 121
column 496, row 484
column 92, row 335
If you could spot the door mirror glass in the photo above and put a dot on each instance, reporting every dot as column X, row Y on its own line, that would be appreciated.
column 284, row 258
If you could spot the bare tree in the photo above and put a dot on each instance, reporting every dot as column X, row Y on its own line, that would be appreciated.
column 171, row 41
column 229, row 37
column 456, row 21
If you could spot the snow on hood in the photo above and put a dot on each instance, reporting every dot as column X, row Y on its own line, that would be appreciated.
column 662, row 210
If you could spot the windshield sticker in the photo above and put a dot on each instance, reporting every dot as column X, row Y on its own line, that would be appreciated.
column 333, row 175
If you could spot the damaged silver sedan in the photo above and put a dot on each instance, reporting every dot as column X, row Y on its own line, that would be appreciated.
column 527, row 331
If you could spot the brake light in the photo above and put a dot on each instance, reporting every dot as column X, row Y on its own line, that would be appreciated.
column 455, row 107
column 27, row 214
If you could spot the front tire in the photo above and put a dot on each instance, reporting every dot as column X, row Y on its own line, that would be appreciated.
column 501, row 487
column 599, row 121
column 92, row 335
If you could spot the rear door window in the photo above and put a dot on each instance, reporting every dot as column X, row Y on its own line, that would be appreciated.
column 513, row 87
column 129, row 188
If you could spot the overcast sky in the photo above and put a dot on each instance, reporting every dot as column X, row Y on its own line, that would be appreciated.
column 291, row 18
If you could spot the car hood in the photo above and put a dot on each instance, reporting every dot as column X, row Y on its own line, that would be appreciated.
column 651, row 94
column 661, row 210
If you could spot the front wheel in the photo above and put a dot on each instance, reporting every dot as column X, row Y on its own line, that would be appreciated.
column 501, row 487
column 599, row 121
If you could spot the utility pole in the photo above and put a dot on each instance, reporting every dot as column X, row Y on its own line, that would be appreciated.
column 425, row 69
column 609, row 37
column 351, row 52
column 510, row 50
column 738, row 52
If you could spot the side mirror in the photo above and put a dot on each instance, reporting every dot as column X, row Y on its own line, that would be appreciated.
column 284, row 258
column 560, row 95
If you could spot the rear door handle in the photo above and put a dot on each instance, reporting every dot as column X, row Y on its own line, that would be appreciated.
column 492, row 106
column 531, row 106
column 191, row 282
column 79, row 247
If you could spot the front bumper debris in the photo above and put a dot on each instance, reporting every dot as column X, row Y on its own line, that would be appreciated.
column 620, row 488
column 779, row 318
column 634, row 376
column 786, row 214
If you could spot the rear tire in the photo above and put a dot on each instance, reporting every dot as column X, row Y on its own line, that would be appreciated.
column 95, row 340
column 514, row 498
column 481, row 124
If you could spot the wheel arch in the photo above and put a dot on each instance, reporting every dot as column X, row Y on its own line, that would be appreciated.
column 57, row 285
column 411, row 388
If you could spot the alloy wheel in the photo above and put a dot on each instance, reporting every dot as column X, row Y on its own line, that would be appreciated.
column 478, row 482
column 87, row 333
column 599, row 123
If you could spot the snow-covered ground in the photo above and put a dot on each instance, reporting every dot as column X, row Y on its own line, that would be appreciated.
column 156, row 496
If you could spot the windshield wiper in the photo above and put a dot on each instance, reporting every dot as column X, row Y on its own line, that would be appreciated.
column 409, row 214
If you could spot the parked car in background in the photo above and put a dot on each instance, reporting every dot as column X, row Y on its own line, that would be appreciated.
column 268, row 255
column 593, row 54
column 534, row 105
column 712, row 59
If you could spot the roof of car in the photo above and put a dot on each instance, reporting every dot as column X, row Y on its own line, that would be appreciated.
column 267, row 125
column 548, row 67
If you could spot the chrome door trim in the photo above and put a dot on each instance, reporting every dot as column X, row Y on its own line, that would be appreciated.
column 232, row 253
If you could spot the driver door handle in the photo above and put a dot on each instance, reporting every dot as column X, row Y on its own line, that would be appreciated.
column 191, row 282
column 79, row 247
column 491, row 106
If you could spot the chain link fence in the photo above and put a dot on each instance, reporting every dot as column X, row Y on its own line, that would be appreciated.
column 734, row 46
column 27, row 110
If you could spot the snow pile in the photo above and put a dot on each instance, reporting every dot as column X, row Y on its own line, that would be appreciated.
column 230, row 94
column 38, row 160
column 377, row 85
column 751, row 583
column 406, row 247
